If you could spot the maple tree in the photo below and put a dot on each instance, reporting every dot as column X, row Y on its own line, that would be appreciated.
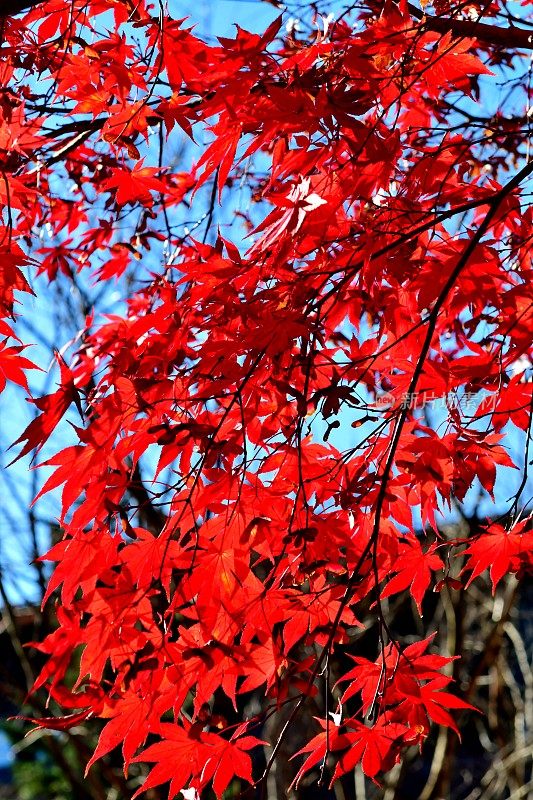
column 254, row 470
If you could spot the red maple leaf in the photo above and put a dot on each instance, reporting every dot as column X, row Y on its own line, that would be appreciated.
column 135, row 185
column 413, row 568
column 375, row 747
column 52, row 408
column 500, row 551
column 12, row 366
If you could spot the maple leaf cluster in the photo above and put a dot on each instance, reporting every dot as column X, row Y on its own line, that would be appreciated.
column 222, row 534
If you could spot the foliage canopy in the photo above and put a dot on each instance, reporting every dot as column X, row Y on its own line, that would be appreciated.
column 325, row 297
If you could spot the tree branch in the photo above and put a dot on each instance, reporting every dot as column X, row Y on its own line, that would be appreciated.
column 510, row 38
column 12, row 7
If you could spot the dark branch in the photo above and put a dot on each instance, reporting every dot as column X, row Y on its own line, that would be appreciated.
column 510, row 38
column 10, row 7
